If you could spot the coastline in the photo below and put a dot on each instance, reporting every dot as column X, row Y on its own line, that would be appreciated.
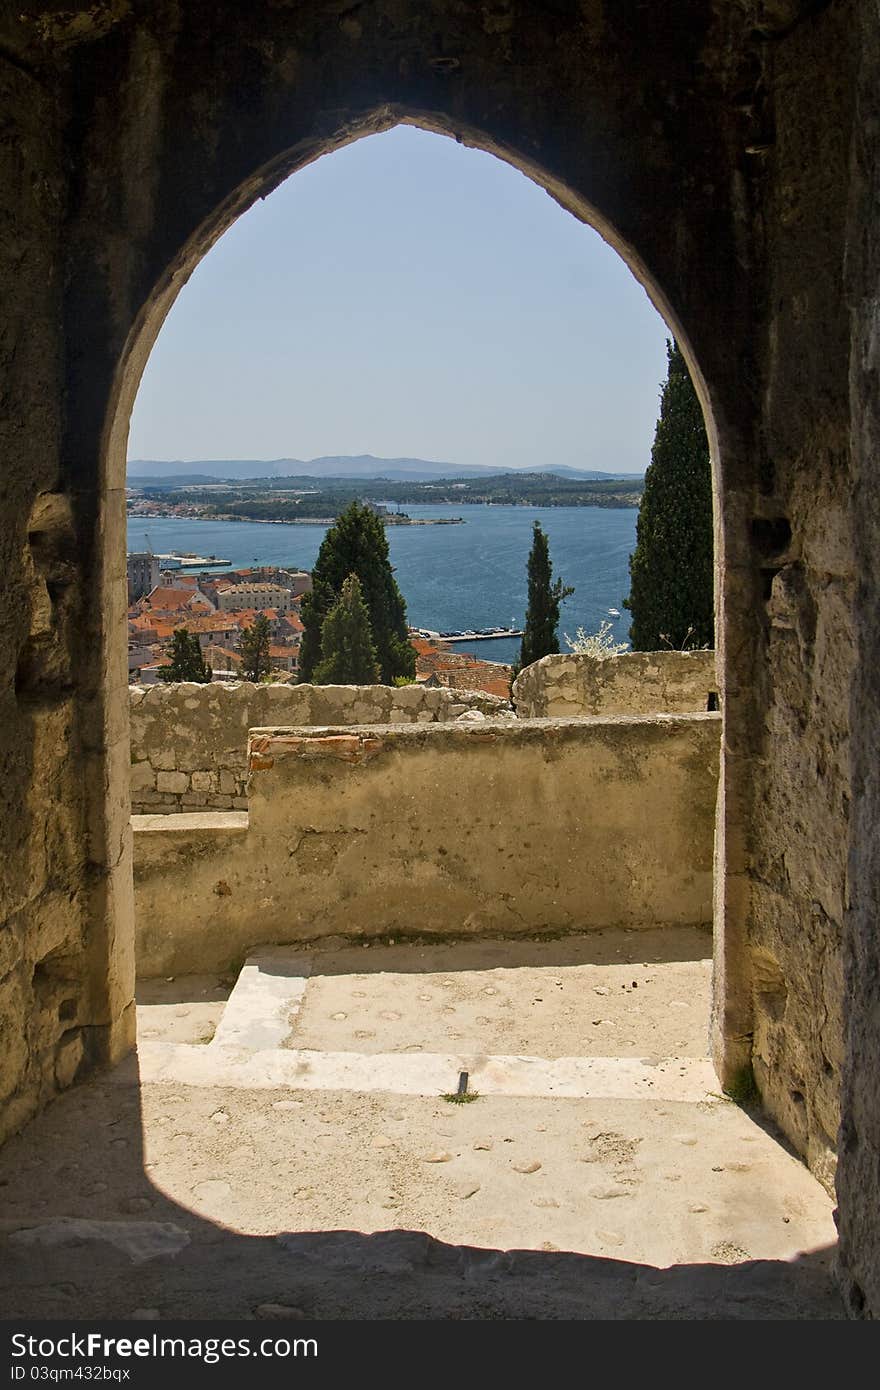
column 295, row 521
column 452, row 577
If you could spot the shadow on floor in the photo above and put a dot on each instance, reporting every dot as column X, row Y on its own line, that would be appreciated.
column 419, row 955
column 86, row 1234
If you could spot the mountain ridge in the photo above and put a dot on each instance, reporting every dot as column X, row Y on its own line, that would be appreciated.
column 347, row 466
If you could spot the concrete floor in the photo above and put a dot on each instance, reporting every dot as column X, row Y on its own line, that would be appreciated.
column 264, row 1155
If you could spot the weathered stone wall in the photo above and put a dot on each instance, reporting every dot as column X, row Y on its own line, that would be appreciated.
column 729, row 152
column 443, row 830
column 568, row 686
column 55, row 1011
column 789, row 695
column 189, row 742
column 858, row 1179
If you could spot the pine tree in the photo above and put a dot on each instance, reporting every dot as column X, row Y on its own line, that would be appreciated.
column 187, row 662
column 254, row 649
column 545, row 595
column 357, row 544
column 671, row 568
column 348, row 656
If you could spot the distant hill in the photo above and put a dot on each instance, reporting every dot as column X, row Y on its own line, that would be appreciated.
column 331, row 466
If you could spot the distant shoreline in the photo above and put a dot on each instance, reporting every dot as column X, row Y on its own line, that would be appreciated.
column 452, row 577
column 298, row 500
column 302, row 520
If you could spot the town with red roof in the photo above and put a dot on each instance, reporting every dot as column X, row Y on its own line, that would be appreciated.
column 218, row 610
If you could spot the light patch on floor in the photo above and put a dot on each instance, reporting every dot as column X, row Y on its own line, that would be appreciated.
column 285, row 1160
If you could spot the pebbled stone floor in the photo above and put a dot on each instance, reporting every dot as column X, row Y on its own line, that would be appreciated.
column 174, row 1198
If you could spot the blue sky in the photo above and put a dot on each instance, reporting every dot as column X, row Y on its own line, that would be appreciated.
column 407, row 296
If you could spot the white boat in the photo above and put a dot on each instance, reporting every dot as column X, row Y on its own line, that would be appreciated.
column 614, row 612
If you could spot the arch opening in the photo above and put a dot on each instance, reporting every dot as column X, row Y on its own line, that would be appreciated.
column 324, row 983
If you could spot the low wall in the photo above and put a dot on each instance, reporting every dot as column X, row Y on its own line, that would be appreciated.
column 189, row 742
column 567, row 686
column 490, row 827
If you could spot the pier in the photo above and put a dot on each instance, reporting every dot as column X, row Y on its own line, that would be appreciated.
column 177, row 561
column 493, row 635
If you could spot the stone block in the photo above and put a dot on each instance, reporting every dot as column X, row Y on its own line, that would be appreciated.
column 172, row 782
column 13, row 1034
column 194, row 754
column 631, row 683
column 408, row 697
column 229, row 783
column 68, row 1056
column 364, row 713
column 143, row 778
column 203, row 781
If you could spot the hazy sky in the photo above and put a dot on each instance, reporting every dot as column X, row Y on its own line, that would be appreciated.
column 407, row 297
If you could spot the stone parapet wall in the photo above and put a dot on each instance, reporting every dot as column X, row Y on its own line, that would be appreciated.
column 567, row 686
column 189, row 742
column 489, row 827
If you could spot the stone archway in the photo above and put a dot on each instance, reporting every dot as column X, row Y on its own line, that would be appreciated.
column 713, row 149
column 729, row 1002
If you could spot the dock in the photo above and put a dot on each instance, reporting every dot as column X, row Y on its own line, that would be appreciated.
column 177, row 561
column 496, row 636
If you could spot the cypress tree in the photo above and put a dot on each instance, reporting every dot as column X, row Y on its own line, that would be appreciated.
column 545, row 595
column 348, row 656
column 254, row 649
column 357, row 544
column 187, row 662
column 671, row 568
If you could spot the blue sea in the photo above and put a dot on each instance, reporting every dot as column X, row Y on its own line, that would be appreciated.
column 452, row 577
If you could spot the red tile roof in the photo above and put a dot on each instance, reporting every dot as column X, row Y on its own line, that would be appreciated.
column 161, row 627
column 211, row 622
column 245, row 616
column 460, row 670
column 167, row 598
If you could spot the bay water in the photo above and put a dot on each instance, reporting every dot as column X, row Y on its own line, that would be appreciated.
column 452, row 577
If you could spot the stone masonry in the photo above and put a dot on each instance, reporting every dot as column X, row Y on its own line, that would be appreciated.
column 189, row 742
column 730, row 153
column 559, row 687
column 470, row 828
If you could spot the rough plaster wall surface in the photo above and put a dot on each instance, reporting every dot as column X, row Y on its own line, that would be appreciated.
column 444, row 830
column 802, row 538
column 858, row 1178
column 45, row 1002
column 565, row 686
column 189, row 742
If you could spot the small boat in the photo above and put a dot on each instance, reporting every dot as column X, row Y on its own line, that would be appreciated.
column 614, row 612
